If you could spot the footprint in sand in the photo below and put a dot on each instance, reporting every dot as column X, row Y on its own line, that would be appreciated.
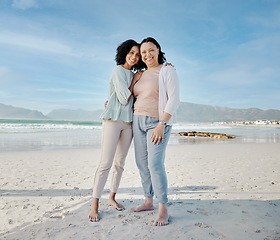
column 213, row 232
column 203, row 225
column 199, row 211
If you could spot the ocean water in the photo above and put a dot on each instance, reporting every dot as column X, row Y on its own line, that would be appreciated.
column 39, row 135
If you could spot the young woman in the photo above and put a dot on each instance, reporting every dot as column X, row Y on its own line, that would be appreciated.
column 157, row 99
column 117, row 124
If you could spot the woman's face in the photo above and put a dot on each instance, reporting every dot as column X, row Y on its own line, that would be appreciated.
column 133, row 56
column 149, row 54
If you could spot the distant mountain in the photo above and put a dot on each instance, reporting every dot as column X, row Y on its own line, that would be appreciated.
column 190, row 112
column 187, row 112
column 75, row 115
column 10, row 112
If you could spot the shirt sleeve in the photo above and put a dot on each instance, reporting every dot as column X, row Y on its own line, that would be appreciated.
column 172, row 91
column 118, row 80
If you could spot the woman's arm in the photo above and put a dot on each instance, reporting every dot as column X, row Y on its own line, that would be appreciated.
column 158, row 133
column 118, row 79
column 172, row 91
column 135, row 79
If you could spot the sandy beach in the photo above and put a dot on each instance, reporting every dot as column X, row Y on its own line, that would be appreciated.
column 216, row 191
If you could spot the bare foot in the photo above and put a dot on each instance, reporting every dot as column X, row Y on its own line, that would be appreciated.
column 146, row 206
column 162, row 218
column 93, row 215
column 115, row 204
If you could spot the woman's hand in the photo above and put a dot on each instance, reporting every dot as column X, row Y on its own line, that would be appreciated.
column 158, row 134
column 135, row 79
column 137, row 76
column 169, row 64
column 105, row 104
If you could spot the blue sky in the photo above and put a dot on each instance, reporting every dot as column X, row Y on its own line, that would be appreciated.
column 60, row 53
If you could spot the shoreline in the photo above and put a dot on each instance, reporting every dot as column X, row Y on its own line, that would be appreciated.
column 41, row 137
column 216, row 191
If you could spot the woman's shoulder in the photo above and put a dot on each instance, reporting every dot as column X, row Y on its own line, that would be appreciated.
column 118, row 70
column 121, row 69
column 168, row 69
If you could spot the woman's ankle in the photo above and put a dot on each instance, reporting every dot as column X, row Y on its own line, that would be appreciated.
column 149, row 200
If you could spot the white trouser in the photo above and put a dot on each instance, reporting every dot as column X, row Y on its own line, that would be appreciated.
column 116, row 140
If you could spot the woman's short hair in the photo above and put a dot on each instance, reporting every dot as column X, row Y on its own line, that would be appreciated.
column 161, row 58
column 123, row 49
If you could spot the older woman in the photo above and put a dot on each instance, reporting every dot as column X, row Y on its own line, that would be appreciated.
column 157, row 99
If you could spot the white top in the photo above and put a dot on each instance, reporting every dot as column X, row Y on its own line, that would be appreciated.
column 169, row 93
column 118, row 108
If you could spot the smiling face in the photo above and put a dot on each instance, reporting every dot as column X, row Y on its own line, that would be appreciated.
column 149, row 54
column 132, row 57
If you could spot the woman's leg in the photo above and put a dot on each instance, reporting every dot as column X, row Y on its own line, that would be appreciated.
column 162, row 218
column 156, row 157
column 119, row 162
column 156, row 153
column 93, row 215
column 141, row 157
column 141, row 154
column 110, row 138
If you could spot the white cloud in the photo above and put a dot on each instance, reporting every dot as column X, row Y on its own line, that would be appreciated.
column 60, row 90
column 51, row 46
column 8, row 76
column 271, row 21
column 3, row 71
column 261, row 47
column 24, row 4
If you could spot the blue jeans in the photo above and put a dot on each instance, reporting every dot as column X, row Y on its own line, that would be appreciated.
column 150, row 157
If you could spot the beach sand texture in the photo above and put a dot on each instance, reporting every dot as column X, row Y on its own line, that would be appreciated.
column 216, row 191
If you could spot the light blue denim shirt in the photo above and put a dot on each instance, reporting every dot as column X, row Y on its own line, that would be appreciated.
column 118, row 108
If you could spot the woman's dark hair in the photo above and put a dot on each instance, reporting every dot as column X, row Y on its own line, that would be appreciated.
column 161, row 58
column 123, row 49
